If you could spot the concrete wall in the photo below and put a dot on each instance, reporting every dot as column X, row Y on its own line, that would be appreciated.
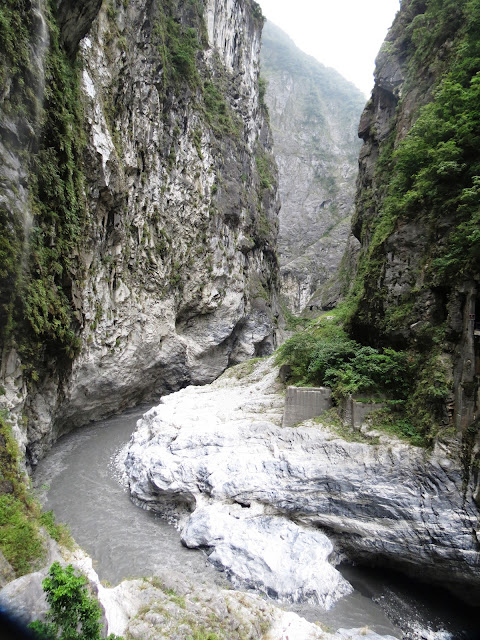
column 302, row 403
column 353, row 413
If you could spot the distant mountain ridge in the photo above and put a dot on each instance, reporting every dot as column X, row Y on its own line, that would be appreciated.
column 314, row 115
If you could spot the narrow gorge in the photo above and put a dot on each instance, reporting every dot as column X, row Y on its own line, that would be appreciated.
column 180, row 231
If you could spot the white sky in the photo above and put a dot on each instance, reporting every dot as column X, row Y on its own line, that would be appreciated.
column 343, row 34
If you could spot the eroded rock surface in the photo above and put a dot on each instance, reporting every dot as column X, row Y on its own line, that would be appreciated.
column 267, row 553
column 223, row 445
column 174, row 275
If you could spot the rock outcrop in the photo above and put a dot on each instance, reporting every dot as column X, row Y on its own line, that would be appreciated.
column 418, row 274
column 159, row 267
column 74, row 20
column 314, row 115
column 168, row 606
column 220, row 451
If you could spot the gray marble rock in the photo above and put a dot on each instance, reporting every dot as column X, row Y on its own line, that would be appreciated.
column 6, row 571
column 270, row 554
column 25, row 597
column 391, row 502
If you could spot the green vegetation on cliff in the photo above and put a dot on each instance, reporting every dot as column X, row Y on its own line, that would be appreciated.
column 74, row 614
column 179, row 44
column 418, row 208
column 436, row 169
column 38, row 253
column 324, row 354
column 58, row 209
column 432, row 176
column 417, row 219
column 21, row 541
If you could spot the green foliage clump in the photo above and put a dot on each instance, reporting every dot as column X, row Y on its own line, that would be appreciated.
column 20, row 541
column 18, row 77
column 325, row 355
column 332, row 420
column 265, row 170
column 203, row 634
column 20, row 516
column 74, row 614
column 11, row 239
column 395, row 421
column 178, row 45
column 217, row 111
column 262, row 91
column 414, row 386
column 257, row 12
column 433, row 388
column 184, row 46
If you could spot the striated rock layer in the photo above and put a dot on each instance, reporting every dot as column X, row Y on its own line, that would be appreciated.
column 218, row 457
column 170, row 274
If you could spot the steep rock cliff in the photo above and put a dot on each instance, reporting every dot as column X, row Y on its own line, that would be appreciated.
column 140, row 231
column 314, row 115
column 417, row 213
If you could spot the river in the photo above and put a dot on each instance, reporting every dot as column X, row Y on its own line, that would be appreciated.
column 80, row 482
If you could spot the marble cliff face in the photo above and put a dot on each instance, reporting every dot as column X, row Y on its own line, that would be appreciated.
column 173, row 276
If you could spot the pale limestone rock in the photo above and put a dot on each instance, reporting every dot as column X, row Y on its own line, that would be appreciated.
column 223, row 445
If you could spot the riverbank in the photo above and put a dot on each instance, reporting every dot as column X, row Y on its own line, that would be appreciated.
column 80, row 482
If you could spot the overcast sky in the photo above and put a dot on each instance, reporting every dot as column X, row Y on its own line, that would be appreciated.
column 343, row 34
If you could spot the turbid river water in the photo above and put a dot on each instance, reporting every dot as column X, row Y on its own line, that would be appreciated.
column 79, row 481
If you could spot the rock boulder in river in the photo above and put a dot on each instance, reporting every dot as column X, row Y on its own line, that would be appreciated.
column 269, row 553
column 221, row 449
